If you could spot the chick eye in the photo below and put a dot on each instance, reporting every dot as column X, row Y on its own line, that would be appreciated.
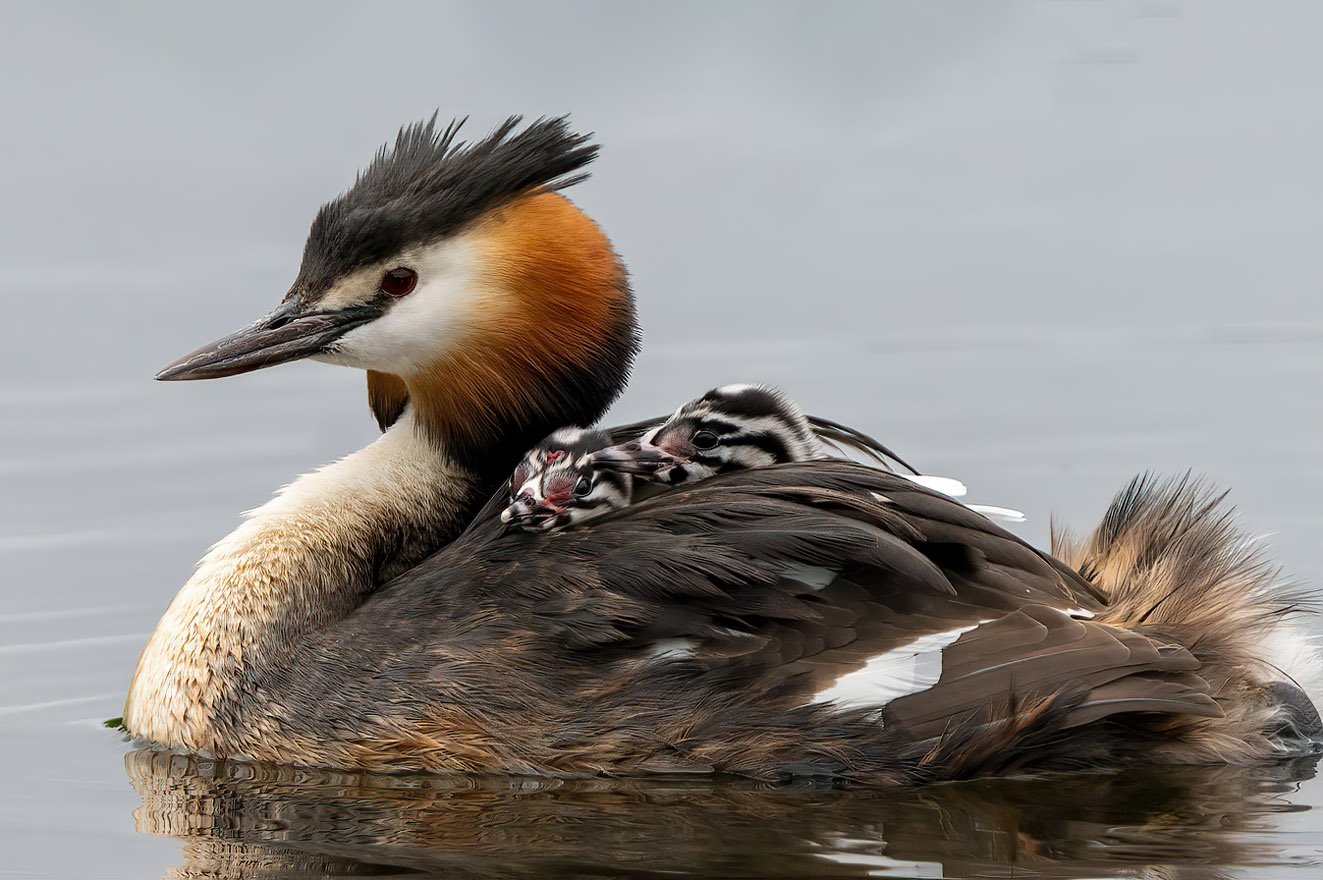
column 399, row 281
column 705, row 440
column 583, row 487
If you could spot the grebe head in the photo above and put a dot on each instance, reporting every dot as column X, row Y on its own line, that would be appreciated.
column 467, row 286
column 556, row 486
column 730, row 428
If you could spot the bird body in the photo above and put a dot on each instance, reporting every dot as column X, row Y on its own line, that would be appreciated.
column 813, row 617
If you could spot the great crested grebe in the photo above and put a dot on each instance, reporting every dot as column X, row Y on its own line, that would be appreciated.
column 817, row 618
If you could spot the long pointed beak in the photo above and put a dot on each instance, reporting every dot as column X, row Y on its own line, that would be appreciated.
column 637, row 458
column 281, row 336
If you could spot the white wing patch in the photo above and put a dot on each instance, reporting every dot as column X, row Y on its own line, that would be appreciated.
column 1000, row 514
column 868, row 853
column 815, row 577
column 901, row 671
column 956, row 489
column 945, row 485
column 670, row 649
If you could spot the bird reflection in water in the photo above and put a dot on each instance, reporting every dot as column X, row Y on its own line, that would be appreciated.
column 260, row 821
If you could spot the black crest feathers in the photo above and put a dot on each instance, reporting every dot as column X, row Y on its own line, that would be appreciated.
column 430, row 185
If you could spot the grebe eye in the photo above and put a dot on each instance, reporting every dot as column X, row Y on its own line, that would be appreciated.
column 583, row 487
column 399, row 281
column 705, row 440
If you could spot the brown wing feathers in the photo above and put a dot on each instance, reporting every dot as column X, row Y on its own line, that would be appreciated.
column 1039, row 651
column 729, row 550
column 722, row 612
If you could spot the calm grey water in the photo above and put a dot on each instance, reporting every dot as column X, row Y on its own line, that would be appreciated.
column 1038, row 246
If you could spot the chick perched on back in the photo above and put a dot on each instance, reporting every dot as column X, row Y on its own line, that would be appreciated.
column 736, row 427
column 731, row 428
column 576, row 475
column 555, row 486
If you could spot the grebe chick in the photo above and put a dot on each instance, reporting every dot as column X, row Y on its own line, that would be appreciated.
column 575, row 475
column 731, row 428
column 555, row 485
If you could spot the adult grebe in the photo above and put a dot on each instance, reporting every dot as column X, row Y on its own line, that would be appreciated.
column 817, row 618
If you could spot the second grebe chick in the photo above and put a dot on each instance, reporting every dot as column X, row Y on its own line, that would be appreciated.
column 731, row 428
column 555, row 486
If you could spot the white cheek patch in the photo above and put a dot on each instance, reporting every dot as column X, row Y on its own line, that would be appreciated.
column 897, row 673
column 418, row 328
column 412, row 333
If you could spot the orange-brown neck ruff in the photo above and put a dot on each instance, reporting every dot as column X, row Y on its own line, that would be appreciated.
column 552, row 339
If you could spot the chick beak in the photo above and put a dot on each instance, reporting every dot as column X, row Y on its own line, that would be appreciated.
column 638, row 459
column 519, row 509
column 285, row 334
column 532, row 517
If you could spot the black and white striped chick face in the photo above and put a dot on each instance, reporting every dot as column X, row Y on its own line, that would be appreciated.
column 730, row 428
column 556, row 485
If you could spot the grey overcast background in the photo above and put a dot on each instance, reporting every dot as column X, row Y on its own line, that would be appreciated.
column 1038, row 246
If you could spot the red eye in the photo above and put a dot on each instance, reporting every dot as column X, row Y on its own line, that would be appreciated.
column 399, row 282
